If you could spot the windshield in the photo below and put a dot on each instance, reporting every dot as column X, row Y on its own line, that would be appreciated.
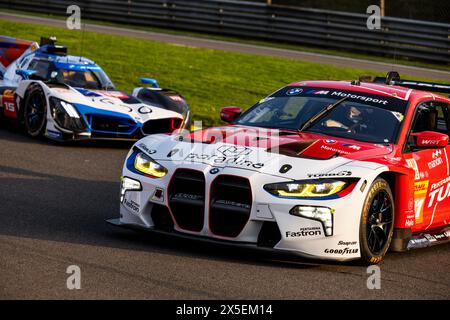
column 89, row 78
column 361, row 117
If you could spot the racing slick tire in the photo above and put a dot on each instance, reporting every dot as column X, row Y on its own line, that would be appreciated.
column 35, row 111
column 377, row 223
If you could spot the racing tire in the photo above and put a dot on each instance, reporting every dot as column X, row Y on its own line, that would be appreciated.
column 377, row 223
column 35, row 111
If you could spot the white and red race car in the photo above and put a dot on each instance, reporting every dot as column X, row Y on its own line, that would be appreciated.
column 333, row 170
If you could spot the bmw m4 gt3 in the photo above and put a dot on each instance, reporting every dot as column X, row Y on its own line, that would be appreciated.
column 65, row 97
column 333, row 170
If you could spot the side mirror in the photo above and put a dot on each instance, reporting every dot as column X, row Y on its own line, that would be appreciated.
column 430, row 140
column 152, row 82
column 25, row 74
column 229, row 114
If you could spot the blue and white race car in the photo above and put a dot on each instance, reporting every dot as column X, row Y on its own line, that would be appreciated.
column 65, row 97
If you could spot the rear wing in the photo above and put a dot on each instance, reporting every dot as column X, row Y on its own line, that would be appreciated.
column 393, row 78
column 12, row 49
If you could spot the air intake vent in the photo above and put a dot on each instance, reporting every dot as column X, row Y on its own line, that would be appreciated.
column 187, row 199
column 161, row 126
column 231, row 203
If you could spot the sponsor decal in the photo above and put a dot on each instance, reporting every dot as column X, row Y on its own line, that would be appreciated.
column 345, row 251
column 400, row 117
column 335, row 150
column 418, row 243
column 234, row 151
column 143, row 147
column 410, row 215
column 266, row 99
column 341, row 94
column 187, row 196
column 238, row 161
column 294, row 91
column 427, row 240
column 54, row 134
column 337, row 174
column 347, row 243
column 439, row 192
column 435, row 163
column 130, row 204
column 234, row 204
column 428, row 142
column 304, row 232
column 320, row 92
column 420, row 194
column 437, row 154
column 409, row 222
column 411, row 204
column 330, row 141
column 413, row 165
column 145, row 110
column 353, row 147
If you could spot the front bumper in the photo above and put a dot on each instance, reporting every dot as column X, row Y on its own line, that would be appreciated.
column 269, row 225
column 231, row 244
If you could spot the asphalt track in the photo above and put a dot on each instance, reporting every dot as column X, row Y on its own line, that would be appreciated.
column 54, row 202
column 382, row 67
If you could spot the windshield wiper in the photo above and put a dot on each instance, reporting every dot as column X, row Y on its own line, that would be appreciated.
column 319, row 115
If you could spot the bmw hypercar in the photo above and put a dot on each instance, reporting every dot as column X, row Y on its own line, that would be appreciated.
column 332, row 170
column 65, row 97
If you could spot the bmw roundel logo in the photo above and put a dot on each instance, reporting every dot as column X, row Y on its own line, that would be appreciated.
column 214, row 171
column 294, row 91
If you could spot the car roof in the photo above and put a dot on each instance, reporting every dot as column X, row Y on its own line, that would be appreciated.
column 383, row 90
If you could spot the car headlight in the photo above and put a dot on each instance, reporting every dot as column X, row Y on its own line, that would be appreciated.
column 128, row 184
column 66, row 115
column 148, row 166
column 306, row 189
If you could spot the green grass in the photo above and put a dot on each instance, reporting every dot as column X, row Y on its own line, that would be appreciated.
column 282, row 45
column 209, row 79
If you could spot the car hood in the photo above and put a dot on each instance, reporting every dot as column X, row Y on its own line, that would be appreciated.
column 112, row 102
column 267, row 151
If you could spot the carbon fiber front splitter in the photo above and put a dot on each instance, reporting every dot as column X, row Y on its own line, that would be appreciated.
column 244, row 245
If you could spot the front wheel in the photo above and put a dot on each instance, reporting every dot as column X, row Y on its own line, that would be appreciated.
column 35, row 111
column 377, row 222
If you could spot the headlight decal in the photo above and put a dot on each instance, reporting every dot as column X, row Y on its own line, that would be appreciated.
column 322, row 214
column 321, row 189
column 142, row 164
column 128, row 184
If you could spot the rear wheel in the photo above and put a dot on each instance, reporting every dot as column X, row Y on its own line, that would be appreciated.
column 35, row 111
column 377, row 222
